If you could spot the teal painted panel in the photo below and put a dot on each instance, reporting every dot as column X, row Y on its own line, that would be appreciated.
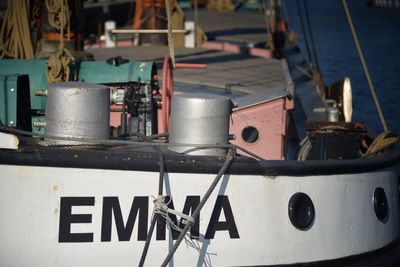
column 8, row 99
column 90, row 71
column 102, row 72
column 143, row 71
column 37, row 76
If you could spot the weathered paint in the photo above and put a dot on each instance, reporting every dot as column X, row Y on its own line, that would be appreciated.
column 345, row 222
column 269, row 119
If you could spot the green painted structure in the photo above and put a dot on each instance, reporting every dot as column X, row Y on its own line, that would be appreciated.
column 8, row 99
column 99, row 72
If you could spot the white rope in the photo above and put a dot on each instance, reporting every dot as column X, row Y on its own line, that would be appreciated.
column 161, row 208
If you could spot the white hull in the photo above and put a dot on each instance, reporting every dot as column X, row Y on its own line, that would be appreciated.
column 345, row 222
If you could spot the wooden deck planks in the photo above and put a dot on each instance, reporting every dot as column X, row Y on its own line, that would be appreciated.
column 234, row 27
column 228, row 71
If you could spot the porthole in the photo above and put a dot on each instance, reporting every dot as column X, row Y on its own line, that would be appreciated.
column 250, row 134
column 301, row 211
column 380, row 204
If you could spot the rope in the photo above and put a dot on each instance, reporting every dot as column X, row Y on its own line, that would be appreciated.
column 384, row 140
column 57, row 67
column 155, row 215
column 170, row 35
column 267, row 15
column 182, row 235
column 305, row 72
column 161, row 209
column 58, row 14
column 304, row 31
column 15, row 36
column 311, row 36
column 196, row 22
column 360, row 53
column 310, row 45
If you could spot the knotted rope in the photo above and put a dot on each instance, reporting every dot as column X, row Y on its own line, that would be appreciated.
column 57, row 67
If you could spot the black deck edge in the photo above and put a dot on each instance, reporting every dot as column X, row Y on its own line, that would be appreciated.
column 146, row 158
column 386, row 256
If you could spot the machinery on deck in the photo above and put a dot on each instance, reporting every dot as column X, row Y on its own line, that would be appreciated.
column 134, row 93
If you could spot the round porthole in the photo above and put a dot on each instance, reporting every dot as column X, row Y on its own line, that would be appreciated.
column 301, row 211
column 380, row 204
column 250, row 134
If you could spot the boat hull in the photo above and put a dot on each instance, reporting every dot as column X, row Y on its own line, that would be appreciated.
column 84, row 217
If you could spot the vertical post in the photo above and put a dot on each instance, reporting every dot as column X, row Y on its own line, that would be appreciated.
column 190, row 38
column 109, row 25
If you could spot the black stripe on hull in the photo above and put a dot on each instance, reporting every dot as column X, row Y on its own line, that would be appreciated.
column 146, row 158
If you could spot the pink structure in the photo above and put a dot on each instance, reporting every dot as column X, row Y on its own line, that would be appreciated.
column 237, row 49
column 115, row 117
column 260, row 126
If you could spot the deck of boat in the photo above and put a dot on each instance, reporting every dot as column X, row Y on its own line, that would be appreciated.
column 237, row 70
column 228, row 71
column 232, row 71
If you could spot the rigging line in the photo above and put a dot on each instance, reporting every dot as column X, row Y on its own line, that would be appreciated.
column 361, row 55
column 280, row 11
column 265, row 7
column 196, row 22
column 286, row 12
column 267, row 14
column 155, row 215
column 311, row 35
column 182, row 235
column 305, row 72
column 62, row 18
column 304, row 31
column 170, row 36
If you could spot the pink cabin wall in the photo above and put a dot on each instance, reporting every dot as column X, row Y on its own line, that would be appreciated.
column 269, row 119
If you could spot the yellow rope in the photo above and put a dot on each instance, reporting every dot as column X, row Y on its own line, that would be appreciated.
column 15, row 40
column 384, row 140
column 387, row 138
column 57, row 67
column 58, row 15
column 371, row 86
